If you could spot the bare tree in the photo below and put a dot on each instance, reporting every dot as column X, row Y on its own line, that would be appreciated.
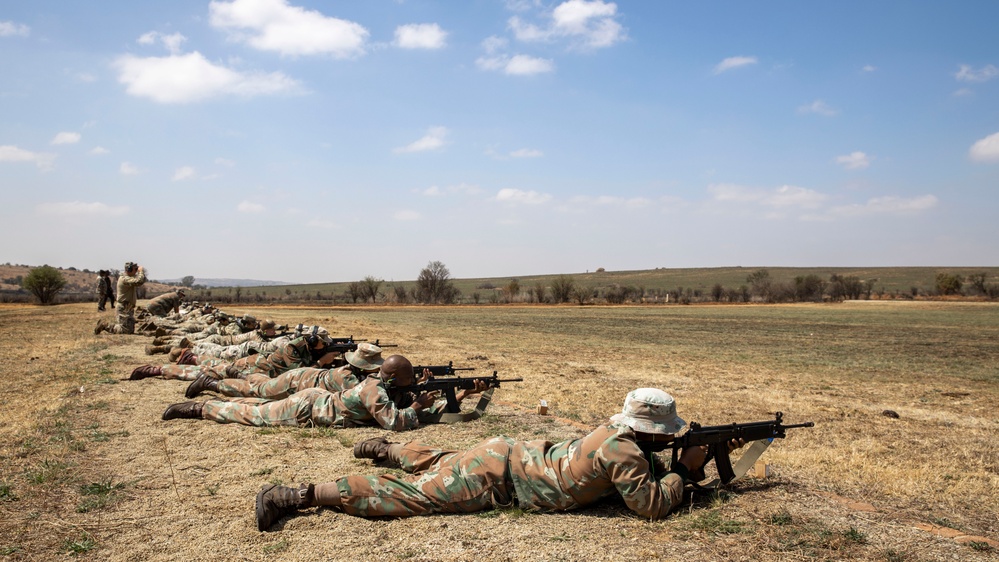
column 369, row 288
column 562, row 288
column 539, row 292
column 434, row 285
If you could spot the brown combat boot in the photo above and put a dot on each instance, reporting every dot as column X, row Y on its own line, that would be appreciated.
column 160, row 332
column 144, row 372
column 154, row 349
column 161, row 340
column 189, row 410
column 102, row 326
column 185, row 342
column 187, row 358
column 201, row 384
column 376, row 448
column 174, row 354
column 274, row 502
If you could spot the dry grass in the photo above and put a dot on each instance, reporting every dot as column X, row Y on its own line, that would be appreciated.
column 88, row 469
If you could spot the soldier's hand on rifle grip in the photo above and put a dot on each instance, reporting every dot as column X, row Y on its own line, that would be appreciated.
column 736, row 444
column 694, row 457
column 427, row 398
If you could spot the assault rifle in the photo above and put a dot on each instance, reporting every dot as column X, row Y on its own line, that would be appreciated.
column 716, row 437
column 448, row 370
column 449, row 385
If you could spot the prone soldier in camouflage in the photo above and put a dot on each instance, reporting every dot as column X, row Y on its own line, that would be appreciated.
column 361, row 362
column 501, row 472
column 166, row 303
column 368, row 403
column 133, row 277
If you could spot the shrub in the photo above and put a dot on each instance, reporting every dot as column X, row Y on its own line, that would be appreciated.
column 44, row 282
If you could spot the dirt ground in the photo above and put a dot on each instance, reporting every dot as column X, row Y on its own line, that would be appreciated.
column 89, row 470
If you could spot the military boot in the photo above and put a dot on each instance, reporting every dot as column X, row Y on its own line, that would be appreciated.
column 185, row 342
column 144, row 372
column 154, row 349
column 162, row 340
column 160, row 332
column 274, row 502
column 102, row 326
column 201, row 384
column 376, row 448
column 174, row 353
column 189, row 410
column 187, row 358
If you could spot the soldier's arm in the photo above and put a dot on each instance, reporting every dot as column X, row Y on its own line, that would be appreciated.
column 385, row 412
column 643, row 491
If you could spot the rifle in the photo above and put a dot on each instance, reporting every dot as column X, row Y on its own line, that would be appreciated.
column 440, row 370
column 716, row 437
column 449, row 385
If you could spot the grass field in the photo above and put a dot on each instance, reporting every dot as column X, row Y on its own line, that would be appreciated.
column 88, row 469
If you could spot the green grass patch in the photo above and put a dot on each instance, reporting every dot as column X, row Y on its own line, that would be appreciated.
column 780, row 518
column 279, row 546
column 81, row 545
column 980, row 546
column 7, row 493
column 7, row 550
column 712, row 523
column 102, row 405
column 47, row 471
column 262, row 472
column 98, row 494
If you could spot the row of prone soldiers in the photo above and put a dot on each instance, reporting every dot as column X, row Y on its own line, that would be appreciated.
column 272, row 375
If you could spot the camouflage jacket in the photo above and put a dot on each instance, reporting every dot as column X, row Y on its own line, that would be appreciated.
column 127, row 284
column 164, row 303
column 581, row 471
column 369, row 401
column 294, row 355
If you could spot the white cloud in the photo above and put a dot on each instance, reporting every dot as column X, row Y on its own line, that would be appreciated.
column 493, row 44
column 854, row 161
column 518, row 196
column 986, row 150
column 818, row 106
column 10, row 153
column 127, row 169
column 420, row 36
column 526, row 153
column 247, row 207
column 79, row 208
column 433, row 140
column 172, row 42
column 190, row 78
column 888, row 205
column 587, row 24
column 274, row 25
column 66, row 138
column 184, row 173
column 517, row 65
column 781, row 197
column 10, row 29
column 734, row 62
column 406, row 215
column 99, row 151
column 967, row 74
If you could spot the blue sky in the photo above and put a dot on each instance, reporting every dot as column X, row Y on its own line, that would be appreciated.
column 311, row 141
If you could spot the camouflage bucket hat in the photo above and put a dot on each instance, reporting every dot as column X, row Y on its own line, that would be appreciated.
column 267, row 324
column 367, row 357
column 650, row 410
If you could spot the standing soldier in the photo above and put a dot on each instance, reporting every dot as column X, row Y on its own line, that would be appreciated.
column 133, row 278
column 105, row 292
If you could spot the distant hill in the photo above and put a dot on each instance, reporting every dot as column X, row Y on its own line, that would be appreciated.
column 78, row 281
column 213, row 282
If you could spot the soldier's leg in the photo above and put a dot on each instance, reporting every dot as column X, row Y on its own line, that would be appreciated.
column 245, row 387
column 180, row 372
column 294, row 410
column 288, row 383
column 125, row 323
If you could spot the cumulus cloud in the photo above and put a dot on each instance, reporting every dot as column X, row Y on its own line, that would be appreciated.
column 172, row 42
column 854, row 161
column 967, row 74
column 99, row 151
column 526, row 153
column 818, row 106
column 127, row 169
column 11, row 29
column 586, row 24
column 889, row 205
column 81, row 209
column 66, row 138
column 184, row 173
column 734, row 62
column 518, row 196
column 274, row 25
column 493, row 44
column 986, row 150
column 191, row 78
column 248, row 207
column 11, row 153
column 420, row 36
column 433, row 140
column 517, row 65
column 785, row 196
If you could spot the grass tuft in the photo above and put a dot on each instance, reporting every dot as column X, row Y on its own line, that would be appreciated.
column 79, row 546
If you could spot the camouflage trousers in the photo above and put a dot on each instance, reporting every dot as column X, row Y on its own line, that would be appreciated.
column 281, row 386
column 204, row 349
column 125, row 322
column 439, row 481
column 180, row 372
column 310, row 406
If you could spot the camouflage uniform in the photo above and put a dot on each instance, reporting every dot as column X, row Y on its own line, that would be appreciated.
column 536, row 475
column 164, row 304
column 204, row 349
column 127, row 284
column 104, row 292
column 365, row 404
column 293, row 355
column 290, row 382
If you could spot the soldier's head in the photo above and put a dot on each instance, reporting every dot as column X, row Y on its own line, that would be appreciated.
column 268, row 327
column 247, row 323
column 180, row 293
column 131, row 267
column 397, row 371
column 367, row 357
column 651, row 413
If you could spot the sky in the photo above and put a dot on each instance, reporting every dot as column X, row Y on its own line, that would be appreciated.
column 319, row 141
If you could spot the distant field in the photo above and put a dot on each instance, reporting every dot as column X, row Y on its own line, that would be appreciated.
column 87, row 466
column 887, row 279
